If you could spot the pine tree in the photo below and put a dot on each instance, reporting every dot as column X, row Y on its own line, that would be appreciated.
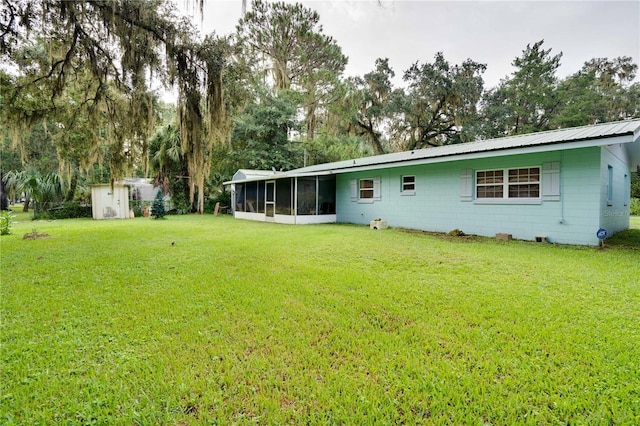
column 157, row 208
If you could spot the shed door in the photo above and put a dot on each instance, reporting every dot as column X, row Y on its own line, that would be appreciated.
column 270, row 199
column 110, row 203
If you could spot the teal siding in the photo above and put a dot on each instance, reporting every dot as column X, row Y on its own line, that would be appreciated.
column 438, row 206
column 614, row 215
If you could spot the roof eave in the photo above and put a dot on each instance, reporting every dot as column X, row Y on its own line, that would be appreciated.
column 554, row 146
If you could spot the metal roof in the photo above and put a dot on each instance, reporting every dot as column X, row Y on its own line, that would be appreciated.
column 593, row 135
column 248, row 174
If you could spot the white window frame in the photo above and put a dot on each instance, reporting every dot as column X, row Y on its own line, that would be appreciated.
column 408, row 187
column 365, row 190
column 357, row 190
column 505, row 198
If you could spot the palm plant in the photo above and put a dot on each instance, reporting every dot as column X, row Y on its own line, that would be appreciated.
column 170, row 167
column 41, row 188
column 168, row 155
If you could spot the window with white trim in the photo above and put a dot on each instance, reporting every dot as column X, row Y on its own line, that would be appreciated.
column 408, row 185
column 366, row 190
column 508, row 183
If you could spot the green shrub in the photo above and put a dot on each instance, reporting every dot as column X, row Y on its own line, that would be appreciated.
column 456, row 233
column 6, row 219
column 63, row 210
column 180, row 202
column 635, row 206
column 70, row 210
column 224, row 198
column 138, row 207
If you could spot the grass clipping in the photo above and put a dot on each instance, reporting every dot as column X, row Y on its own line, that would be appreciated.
column 35, row 235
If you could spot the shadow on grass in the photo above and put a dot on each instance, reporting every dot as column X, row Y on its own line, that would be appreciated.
column 629, row 239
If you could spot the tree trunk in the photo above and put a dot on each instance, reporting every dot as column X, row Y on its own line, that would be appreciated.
column 372, row 135
column 311, row 123
column 4, row 201
column 72, row 187
column 201, row 201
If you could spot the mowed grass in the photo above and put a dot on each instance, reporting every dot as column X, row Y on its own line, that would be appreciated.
column 237, row 322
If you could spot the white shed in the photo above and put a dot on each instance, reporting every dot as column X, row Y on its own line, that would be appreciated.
column 109, row 202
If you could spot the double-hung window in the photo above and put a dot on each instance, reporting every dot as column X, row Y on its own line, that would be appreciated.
column 524, row 183
column 365, row 190
column 505, row 184
column 490, row 184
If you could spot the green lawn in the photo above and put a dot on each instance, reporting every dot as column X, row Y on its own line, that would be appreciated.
column 207, row 320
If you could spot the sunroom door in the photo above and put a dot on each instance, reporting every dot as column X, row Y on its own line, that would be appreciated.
column 270, row 199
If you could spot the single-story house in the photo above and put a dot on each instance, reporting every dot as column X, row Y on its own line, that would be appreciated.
column 110, row 202
column 560, row 186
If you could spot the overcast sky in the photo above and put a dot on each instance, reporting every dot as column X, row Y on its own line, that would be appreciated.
column 490, row 32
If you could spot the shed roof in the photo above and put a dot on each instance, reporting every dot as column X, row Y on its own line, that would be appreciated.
column 594, row 135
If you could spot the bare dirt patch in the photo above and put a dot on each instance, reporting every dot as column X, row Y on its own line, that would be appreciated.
column 35, row 235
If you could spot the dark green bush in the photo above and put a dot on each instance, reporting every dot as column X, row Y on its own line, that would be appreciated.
column 224, row 198
column 180, row 203
column 138, row 207
column 62, row 210
column 635, row 206
column 456, row 233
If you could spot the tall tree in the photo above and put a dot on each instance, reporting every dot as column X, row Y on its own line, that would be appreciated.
column 202, row 109
column 329, row 148
column 286, row 43
column 603, row 90
column 261, row 135
column 119, row 45
column 71, row 76
column 373, row 94
column 439, row 101
column 169, row 166
column 526, row 101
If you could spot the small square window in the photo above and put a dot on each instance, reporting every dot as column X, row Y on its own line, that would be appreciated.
column 408, row 184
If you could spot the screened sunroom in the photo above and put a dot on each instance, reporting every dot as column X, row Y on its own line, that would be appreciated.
column 277, row 197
